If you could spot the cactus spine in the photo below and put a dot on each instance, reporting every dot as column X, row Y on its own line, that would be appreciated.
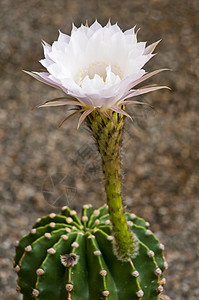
column 64, row 257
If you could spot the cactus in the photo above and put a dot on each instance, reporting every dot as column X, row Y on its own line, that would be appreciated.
column 108, row 254
column 67, row 258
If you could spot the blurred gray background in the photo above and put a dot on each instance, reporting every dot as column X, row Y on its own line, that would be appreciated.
column 43, row 167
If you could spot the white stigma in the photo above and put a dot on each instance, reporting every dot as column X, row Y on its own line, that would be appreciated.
column 99, row 68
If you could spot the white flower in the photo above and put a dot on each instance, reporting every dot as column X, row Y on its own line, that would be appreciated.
column 97, row 68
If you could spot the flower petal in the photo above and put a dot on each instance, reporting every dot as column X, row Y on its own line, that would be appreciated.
column 43, row 77
column 142, row 91
column 151, row 47
column 120, row 111
column 145, row 77
column 68, row 117
column 99, row 66
column 109, row 117
column 133, row 102
column 83, row 116
column 56, row 102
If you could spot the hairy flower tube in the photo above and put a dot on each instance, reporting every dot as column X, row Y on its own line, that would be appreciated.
column 97, row 68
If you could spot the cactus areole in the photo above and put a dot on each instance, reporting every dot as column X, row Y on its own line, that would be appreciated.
column 107, row 254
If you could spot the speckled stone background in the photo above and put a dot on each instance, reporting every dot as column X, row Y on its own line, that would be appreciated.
column 43, row 167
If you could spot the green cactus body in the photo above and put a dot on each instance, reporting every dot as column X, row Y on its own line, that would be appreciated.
column 67, row 258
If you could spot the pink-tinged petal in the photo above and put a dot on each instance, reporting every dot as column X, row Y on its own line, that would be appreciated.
column 68, row 117
column 132, row 102
column 57, row 102
column 127, row 82
column 144, row 91
column 149, row 85
column 84, row 99
column 43, row 77
column 120, row 111
column 145, row 77
column 108, row 116
column 151, row 48
column 83, row 116
column 60, row 103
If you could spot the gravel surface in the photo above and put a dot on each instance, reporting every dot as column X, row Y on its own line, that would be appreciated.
column 160, row 154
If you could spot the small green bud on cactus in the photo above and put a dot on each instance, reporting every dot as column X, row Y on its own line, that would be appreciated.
column 65, row 258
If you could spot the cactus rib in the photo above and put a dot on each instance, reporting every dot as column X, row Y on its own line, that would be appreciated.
column 64, row 257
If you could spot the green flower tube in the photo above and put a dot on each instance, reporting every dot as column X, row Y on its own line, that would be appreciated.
column 107, row 133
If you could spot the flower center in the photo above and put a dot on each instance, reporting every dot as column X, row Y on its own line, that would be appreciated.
column 98, row 68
